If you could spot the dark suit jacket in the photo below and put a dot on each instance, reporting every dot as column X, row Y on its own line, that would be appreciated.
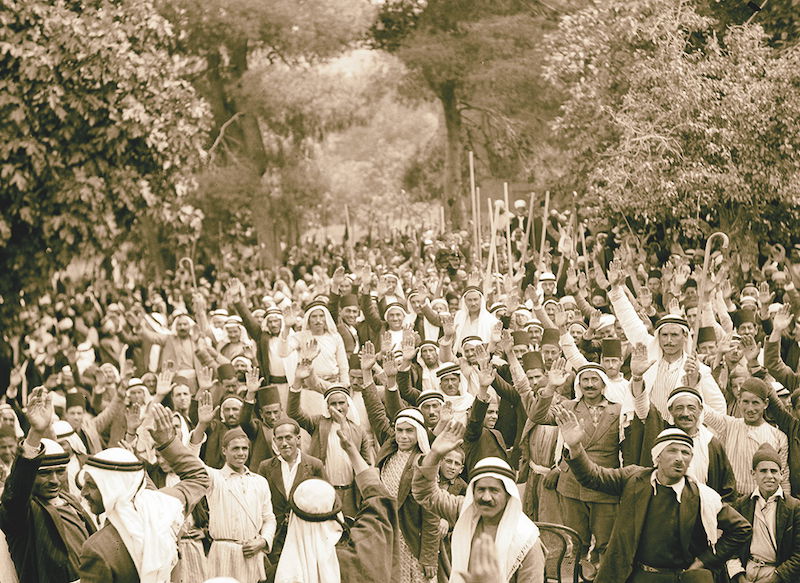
column 480, row 442
column 105, row 558
column 362, row 333
column 787, row 534
column 310, row 467
column 260, row 337
column 419, row 527
column 632, row 485
column 34, row 530
column 790, row 425
column 260, row 435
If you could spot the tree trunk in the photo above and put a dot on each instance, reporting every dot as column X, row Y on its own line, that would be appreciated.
column 452, row 191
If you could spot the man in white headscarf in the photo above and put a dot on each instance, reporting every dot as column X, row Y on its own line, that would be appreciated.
column 491, row 505
column 75, row 448
column 319, row 549
column 139, row 541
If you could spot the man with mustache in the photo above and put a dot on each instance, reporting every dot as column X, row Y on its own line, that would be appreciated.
column 710, row 464
column 672, row 523
column 773, row 554
column 491, row 506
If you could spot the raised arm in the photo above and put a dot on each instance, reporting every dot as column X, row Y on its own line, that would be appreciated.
column 635, row 330
column 195, row 480
column 294, row 408
column 424, row 485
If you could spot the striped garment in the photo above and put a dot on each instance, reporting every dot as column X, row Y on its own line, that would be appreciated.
column 741, row 442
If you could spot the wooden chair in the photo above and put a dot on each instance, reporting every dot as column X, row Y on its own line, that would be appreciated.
column 562, row 545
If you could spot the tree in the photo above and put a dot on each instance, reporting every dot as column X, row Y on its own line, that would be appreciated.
column 229, row 40
column 665, row 123
column 100, row 131
column 481, row 62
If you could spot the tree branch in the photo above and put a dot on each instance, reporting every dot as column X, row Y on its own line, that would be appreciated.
column 221, row 133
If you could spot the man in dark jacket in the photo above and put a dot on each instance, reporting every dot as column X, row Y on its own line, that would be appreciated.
column 44, row 525
column 283, row 473
column 671, row 522
column 773, row 553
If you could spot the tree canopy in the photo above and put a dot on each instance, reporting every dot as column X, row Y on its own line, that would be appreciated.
column 100, row 129
column 667, row 122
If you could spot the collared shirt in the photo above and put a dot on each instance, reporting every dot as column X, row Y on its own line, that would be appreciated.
column 289, row 472
column 677, row 486
column 596, row 410
column 763, row 545
column 240, row 505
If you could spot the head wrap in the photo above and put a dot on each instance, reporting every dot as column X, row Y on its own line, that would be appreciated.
column 309, row 553
column 352, row 412
column 64, row 431
column 532, row 360
column 413, row 417
column 426, row 396
column 148, row 521
column 667, row 437
column 485, row 321
column 516, row 533
column 611, row 348
column 54, row 455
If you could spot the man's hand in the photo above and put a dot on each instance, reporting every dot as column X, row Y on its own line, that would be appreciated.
column 205, row 408
column 484, row 567
column 429, row 571
column 389, row 366
column 783, row 318
column 561, row 318
column 367, row 356
column 408, row 346
column 485, row 368
column 338, row 279
column 449, row 439
column 696, row 564
column 506, row 343
column 236, row 291
column 252, row 380
column 133, row 417
column 640, row 364
column 162, row 431
column 444, row 528
column 569, row 427
column 616, row 273
column 764, row 296
column 550, row 480
column 448, row 329
column 557, row 375
column 205, row 378
column 308, row 350
column 40, row 410
column 254, row 546
column 750, row 349
column 164, row 383
column 692, row 370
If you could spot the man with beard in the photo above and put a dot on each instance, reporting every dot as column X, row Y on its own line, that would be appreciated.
column 45, row 526
column 283, row 473
column 266, row 336
column 673, row 522
column 178, row 346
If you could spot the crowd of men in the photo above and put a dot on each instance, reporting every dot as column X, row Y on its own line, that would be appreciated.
column 388, row 412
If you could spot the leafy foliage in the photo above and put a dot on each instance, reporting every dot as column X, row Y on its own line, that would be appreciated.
column 100, row 129
column 665, row 122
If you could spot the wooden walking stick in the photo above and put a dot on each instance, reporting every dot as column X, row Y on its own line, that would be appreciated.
column 189, row 264
column 510, row 265
column 702, row 283
column 525, row 242
column 474, row 203
column 492, row 241
column 545, row 221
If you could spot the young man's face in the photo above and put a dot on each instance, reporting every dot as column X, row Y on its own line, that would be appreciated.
column 452, row 465
column 271, row 413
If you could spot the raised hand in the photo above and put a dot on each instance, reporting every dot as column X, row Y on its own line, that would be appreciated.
column 485, row 368
column 557, row 375
column 568, row 425
column 484, row 567
column 389, row 365
column 164, row 382
column 506, row 343
column 674, row 307
column 408, row 346
column 600, row 278
column 308, row 350
column 367, row 356
column 783, row 318
column 750, row 348
column 497, row 331
column 162, row 431
column 338, row 278
column 616, row 273
column 290, row 316
column 645, row 297
column 252, row 380
column 40, row 410
column 474, row 278
column 594, row 320
column 205, row 408
column 386, row 342
column 561, row 318
column 640, row 363
column 583, row 283
column 133, row 417
column 451, row 437
column 205, row 378
column 448, row 328
column 692, row 370
column 764, row 295
column 345, row 439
